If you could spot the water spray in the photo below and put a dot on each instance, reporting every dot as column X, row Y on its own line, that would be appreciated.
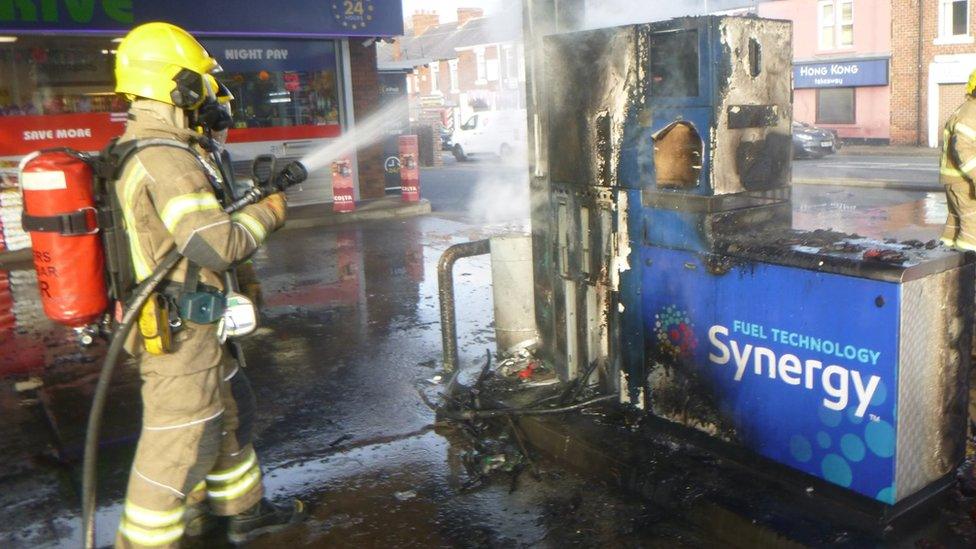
column 371, row 130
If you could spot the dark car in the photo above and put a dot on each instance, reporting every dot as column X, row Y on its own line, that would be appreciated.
column 813, row 142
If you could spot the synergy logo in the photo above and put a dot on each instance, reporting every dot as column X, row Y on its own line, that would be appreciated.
column 675, row 332
column 833, row 379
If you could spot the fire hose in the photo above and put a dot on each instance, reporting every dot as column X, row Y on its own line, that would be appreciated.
column 294, row 173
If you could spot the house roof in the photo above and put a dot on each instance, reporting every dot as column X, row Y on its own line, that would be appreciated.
column 442, row 41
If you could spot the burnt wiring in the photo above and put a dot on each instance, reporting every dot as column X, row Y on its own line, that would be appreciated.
column 497, row 446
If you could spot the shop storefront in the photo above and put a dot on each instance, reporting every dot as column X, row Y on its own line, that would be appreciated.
column 849, row 95
column 288, row 65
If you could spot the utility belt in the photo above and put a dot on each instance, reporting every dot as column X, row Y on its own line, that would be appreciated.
column 173, row 303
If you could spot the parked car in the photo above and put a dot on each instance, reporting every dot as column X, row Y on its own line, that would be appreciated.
column 813, row 142
column 491, row 132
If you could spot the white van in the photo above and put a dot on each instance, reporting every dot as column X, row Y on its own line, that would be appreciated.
column 491, row 132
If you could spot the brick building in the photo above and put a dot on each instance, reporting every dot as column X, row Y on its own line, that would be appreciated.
column 841, row 50
column 474, row 63
column 928, row 76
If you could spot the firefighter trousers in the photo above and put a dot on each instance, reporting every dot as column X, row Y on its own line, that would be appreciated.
column 195, row 444
column 960, row 227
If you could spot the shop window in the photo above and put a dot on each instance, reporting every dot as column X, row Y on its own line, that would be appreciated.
column 74, row 76
column 298, row 87
column 674, row 64
column 835, row 106
column 953, row 19
column 835, row 23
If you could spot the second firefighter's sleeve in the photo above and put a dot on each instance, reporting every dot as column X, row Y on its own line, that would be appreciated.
column 201, row 230
column 964, row 146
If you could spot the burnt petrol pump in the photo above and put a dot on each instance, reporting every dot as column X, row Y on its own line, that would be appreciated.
column 665, row 263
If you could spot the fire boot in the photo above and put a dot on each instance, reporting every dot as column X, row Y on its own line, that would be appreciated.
column 264, row 518
column 198, row 521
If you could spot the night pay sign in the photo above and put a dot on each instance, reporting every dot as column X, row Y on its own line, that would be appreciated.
column 841, row 74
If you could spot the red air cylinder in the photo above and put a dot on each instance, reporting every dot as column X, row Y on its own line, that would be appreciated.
column 60, row 215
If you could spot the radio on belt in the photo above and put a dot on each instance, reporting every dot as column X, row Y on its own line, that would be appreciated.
column 667, row 254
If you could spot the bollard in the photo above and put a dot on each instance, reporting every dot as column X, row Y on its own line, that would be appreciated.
column 409, row 170
column 342, row 196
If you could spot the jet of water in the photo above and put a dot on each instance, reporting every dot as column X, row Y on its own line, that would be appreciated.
column 366, row 132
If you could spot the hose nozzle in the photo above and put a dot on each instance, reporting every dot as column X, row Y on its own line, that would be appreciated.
column 293, row 174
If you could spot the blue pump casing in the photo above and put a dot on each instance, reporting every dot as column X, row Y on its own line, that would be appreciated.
column 665, row 254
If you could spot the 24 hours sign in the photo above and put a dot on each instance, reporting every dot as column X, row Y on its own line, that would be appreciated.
column 353, row 14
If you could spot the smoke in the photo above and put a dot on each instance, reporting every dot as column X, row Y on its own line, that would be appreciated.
column 366, row 132
column 501, row 196
column 612, row 13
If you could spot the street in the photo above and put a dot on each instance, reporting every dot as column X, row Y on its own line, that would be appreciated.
column 875, row 196
column 350, row 335
column 280, row 274
column 918, row 170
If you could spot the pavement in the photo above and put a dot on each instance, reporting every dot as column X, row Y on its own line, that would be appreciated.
column 887, row 150
column 918, row 171
column 349, row 330
column 349, row 334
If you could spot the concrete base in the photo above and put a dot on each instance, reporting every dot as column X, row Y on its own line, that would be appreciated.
column 732, row 495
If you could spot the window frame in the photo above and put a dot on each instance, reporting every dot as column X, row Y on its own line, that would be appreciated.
column 853, row 119
column 480, row 66
column 836, row 23
column 435, row 69
column 945, row 34
column 452, row 67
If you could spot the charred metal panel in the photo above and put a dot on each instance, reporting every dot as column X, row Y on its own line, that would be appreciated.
column 591, row 78
column 754, row 157
column 581, row 246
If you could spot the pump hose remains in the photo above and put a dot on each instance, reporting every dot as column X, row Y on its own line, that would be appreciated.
column 293, row 174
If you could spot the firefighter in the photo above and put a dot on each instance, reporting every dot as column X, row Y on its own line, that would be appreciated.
column 958, row 171
column 194, row 458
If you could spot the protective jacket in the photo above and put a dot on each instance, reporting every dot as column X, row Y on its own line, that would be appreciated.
column 167, row 197
column 957, row 172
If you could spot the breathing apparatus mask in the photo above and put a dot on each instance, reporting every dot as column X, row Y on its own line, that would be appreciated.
column 213, row 116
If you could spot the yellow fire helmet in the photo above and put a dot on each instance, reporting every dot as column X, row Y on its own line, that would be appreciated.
column 971, row 85
column 163, row 62
column 224, row 96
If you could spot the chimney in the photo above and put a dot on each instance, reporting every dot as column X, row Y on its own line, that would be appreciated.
column 466, row 14
column 422, row 21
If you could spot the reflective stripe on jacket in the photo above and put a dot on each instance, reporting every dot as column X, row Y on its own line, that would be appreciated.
column 168, row 200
